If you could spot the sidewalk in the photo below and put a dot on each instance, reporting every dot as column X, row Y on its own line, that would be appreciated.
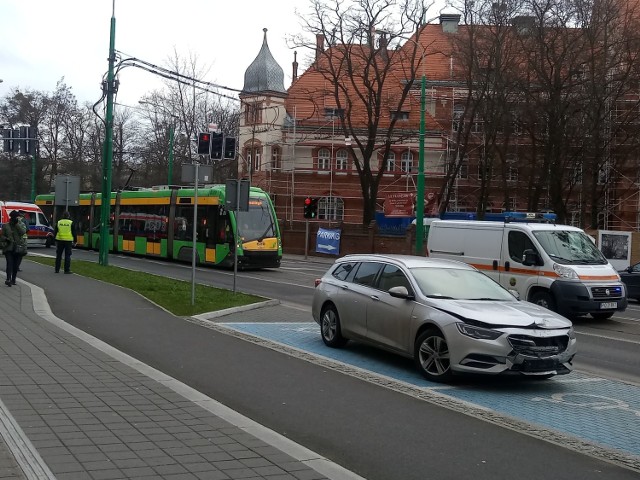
column 73, row 407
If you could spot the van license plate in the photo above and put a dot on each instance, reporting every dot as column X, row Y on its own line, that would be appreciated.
column 608, row 305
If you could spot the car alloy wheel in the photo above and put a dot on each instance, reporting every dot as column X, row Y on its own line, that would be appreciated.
column 432, row 356
column 330, row 327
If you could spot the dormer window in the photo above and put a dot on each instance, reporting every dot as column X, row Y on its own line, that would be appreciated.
column 333, row 112
column 400, row 115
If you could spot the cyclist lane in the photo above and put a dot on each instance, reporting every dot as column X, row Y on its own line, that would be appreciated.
column 593, row 415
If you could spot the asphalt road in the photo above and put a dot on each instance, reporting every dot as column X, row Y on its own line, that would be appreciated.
column 379, row 433
column 608, row 347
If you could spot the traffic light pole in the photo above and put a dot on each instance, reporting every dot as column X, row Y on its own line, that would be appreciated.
column 107, row 159
column 33, row 176
column 306, row 239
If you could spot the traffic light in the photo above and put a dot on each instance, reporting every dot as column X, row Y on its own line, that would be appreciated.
column 310, row 207
column 204, row 143
column 216, row 146
column 230, row 147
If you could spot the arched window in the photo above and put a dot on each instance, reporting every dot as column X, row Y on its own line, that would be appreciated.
column 324, row 159
column 252, row 157
column 331, row 208
column 406, row 162
column 342, row 160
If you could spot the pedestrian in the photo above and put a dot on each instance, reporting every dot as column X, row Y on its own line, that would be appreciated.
column 23, row 247
column 65, row 235
column 15, row 247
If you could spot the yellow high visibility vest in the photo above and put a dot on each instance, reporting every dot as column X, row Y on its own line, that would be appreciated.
column 64, row 230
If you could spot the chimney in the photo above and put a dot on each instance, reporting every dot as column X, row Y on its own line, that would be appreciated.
column 319, row 45
column 295, row 67
column 449, row 22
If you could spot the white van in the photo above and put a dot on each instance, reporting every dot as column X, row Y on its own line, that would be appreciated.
column 556, row 266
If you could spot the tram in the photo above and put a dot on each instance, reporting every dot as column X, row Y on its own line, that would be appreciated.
column 158, row 222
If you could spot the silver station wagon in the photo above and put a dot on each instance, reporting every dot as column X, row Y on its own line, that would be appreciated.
column 446, row 315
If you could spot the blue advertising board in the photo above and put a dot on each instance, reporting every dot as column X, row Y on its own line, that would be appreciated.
column 328, row 241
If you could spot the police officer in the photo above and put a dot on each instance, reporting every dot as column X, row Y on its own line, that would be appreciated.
column 65, row 236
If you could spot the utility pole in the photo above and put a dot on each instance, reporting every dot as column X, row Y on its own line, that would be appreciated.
column 420, row 192
column 171, row 140
column 107, row 159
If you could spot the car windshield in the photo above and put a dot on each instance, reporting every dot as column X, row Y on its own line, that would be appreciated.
column 569, row 247
column 458, row 284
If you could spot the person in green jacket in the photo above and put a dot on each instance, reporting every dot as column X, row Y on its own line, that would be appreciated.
column 13, row 231
column 65, row 236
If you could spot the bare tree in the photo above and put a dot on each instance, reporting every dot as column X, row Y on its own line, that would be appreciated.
column 367, row 81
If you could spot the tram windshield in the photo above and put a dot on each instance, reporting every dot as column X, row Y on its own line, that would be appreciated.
column 257, row 223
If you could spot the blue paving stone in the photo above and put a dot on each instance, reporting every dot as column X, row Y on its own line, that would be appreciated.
column 601, row 411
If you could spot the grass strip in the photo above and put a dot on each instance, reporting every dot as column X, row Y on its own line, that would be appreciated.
column 173, row 295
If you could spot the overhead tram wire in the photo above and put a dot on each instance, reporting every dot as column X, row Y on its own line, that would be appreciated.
column 172, row 75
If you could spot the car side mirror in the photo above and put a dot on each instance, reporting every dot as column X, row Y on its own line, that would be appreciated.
column 629, row 269
column 401, row 292
column 515, row 294
column 530, row 257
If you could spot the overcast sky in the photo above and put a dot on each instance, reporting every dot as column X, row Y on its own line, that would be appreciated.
column 45, row 40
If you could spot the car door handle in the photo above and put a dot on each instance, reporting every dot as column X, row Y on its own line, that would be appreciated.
column 374, row 297
column 344, row 287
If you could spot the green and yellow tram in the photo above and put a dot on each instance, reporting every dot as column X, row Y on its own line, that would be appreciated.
column 159, row 223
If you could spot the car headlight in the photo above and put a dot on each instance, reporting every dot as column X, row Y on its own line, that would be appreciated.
column 565, row 272
column 478, row 332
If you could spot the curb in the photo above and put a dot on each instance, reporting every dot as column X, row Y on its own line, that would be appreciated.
column 230, row 311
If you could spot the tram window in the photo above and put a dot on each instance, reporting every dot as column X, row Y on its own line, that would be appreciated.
column 186, row 212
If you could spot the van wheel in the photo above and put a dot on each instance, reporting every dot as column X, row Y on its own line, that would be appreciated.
column 602, row 316
column 330, row 327
column 432, row 356
column 544, row 299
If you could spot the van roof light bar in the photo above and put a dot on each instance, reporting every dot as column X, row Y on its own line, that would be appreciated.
column 530, row 217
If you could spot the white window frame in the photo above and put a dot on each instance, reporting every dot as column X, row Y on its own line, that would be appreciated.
column 391, row 162
column 324, row 159
column 406, row 162
column 342, row 160
column 331, row 208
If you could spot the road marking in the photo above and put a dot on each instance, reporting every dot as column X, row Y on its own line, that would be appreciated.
column 607, row 337
column 596, row 402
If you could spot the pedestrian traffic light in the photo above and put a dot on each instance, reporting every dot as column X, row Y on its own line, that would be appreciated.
column 216, row 146
column 230, row 147
column 310, row 207
column 204, row 143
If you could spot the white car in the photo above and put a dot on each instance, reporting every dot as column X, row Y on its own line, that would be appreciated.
column 448, row 316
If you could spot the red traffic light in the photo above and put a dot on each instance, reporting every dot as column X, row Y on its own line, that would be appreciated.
column 307, row 201
column 204, row 137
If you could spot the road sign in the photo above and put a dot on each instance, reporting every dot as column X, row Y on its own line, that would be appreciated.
column 67, row 191
column 205, row 173
column 235, row 200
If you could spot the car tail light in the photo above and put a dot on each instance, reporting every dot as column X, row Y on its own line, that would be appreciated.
column 318, row 281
